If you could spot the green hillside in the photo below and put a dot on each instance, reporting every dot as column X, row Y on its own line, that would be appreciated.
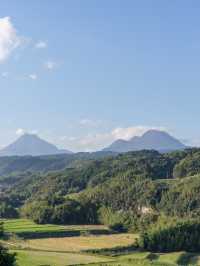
column 146, row 194
column 127, row 182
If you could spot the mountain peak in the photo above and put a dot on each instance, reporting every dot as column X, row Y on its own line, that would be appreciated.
column 31, row 144
column 29, row 136
column 153, row 132
column 151, row 140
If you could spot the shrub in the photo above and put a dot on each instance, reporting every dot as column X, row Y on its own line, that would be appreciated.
column 118, row 227
column 68, row 212
column 7, row 211
column 1, row 230
column 171, row 236
column 6, row 259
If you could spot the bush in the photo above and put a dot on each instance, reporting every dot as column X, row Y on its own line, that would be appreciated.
column 67, row 212
column 171, row 236
column 1, row 230
column 118, row 227
column 7, row 211
column 119, row 221
column 6, row 259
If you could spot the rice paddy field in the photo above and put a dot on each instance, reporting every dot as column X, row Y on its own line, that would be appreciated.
column 40, row 258
column 34, row 245
column 81, row 243
column 152, row 259
column 26, row 228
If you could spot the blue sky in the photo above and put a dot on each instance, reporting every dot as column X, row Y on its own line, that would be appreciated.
column 84, row 73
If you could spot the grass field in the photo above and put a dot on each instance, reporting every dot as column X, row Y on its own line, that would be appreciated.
column 24, row 225
column 64, row 251
column 82, row 243
column 28, row 229
column 153, row 259
column 41, row 258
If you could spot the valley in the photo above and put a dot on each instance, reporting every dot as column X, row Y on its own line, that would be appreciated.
column 106, row 209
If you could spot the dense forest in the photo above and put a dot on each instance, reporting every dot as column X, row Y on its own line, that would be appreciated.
column 133, row 191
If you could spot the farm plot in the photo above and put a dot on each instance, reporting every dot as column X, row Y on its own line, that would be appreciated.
column 38, row 258
column 27, row 229
column 77, row 244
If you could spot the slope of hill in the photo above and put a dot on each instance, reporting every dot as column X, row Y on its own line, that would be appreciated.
column 146, row 164
column 30, row 144
column 12, row 167
column 151, row 140
column 127, row 184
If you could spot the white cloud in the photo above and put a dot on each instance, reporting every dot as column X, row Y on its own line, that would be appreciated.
column 50, row 65
column 128, row 132
column 92, row 142
column 41, row 45
column 33, row 76
column 9, row 39
column 20, row 131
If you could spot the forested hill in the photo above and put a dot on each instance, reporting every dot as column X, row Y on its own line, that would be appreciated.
column 13, row 165
column 115, row 188
column 84, row 172
column 147, row 164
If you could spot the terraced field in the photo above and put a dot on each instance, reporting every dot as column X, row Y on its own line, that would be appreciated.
column 38, row 258
column 27, row 229
column 81, row 243
column 153, row 259
column 37, row 245
column 84, row 248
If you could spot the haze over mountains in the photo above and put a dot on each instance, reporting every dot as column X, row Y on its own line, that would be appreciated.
column 30, row 144
column 151, row 140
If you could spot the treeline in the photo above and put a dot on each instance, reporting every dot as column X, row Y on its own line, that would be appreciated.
column 58, row 210
column 170, row 235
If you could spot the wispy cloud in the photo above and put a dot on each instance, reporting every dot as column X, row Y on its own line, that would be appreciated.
column 92, row 142
column 33, row 76
column 41, row 45
column 20, row 131
column 9, row 38
column 50, row 65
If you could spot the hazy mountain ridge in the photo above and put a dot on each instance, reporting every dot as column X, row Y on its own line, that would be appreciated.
column 30, row 144
column 151, row 140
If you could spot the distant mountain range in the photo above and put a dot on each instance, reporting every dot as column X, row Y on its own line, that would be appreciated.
column 30, row 144
column 151, row 140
